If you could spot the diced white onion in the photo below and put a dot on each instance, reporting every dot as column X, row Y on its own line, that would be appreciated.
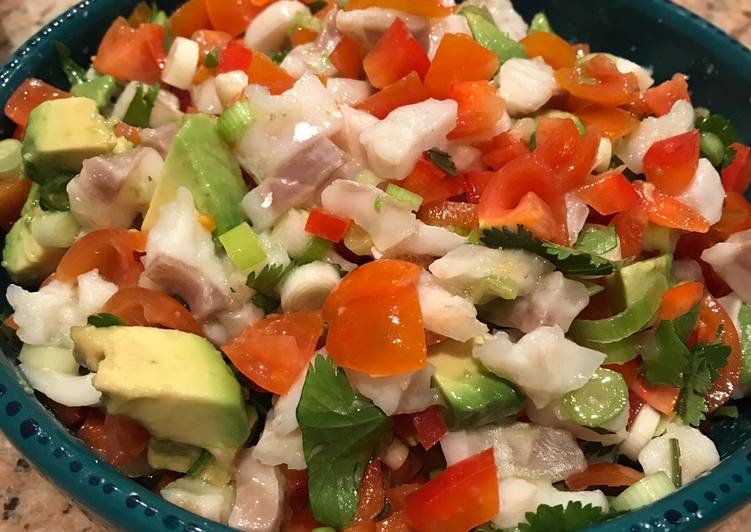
column 182, row 63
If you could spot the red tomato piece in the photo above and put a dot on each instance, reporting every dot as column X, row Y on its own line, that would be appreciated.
column 736, row 216
column 661, row 398
column 114, row 252
column 131, row 54
column 27, row 97
column 680, row 299
column 274, row 352
column 480, row 108
column 598, row 81
column 429, row 426
column 691, row 246
column 396, row 522
column 503, row 149
column 609, row 193
column 614, row 123
column 303, row 36
column 347, row 58
column 660, row 99
column 149, row 308
column 326, row 225
column 231, row 16
column 613, row 475
column 421, row 8
column 737, row 175
column 376, row 308
column 117, row 439
column 126, row 131
column 396, row 54
column 712, row 318
column 372, row 493
column 459, row 58
column 671, row 164
column 570, row 155
column 630, row 226
column 555, row 51
column 69, row 416
column 461, row 498
column 235, row 57
column 432, row 183
column 668, row 211
column 210, row 40
column 450, row 214
column 189, row 18
column 263, row 71
column 475, row 183
column 13, row 193
column 406, row 91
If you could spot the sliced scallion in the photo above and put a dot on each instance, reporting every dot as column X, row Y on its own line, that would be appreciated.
column 212, row 58
column 233, row 120
column 242, row 246
column 402, row 195
column 540, row 23
column 675, row 462
column 316, row 250
column 649, row 489
column 712, row 148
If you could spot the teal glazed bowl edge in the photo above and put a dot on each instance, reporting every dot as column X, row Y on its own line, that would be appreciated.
column 655, row 33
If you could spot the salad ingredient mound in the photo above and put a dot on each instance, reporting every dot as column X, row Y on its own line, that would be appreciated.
column 378, row 265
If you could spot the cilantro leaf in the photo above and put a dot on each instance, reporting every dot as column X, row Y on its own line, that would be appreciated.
column 340, row 432
column 567, row 260
column 266, row 281
column 665, row 364
column 729, row 157
column 718, row 125
column 596, row 240
column 705, row 361
column 442, row 160
column 574, row 516
column 139, row 111
column 75, row 73
column 103, row 319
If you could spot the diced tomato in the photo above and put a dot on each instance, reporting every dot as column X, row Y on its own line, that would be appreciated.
column 450, row 214
column 297, row 487
column 114, row 252
column 660, row 99
column 301, row 520
column 661, row 398
column 736, row 216
column 231, row 16
column 69, row 416
column 372, row 493
column 609, row 193
column 503, row 149
column 27, row 97
column 713, row 318
column 396, row 522
column 263, row 71
column 13, row 193
column 347, row 58
column 302, row 36
column 376, row 308
column 432, row 183
column 737, row 175
column 406, row 91
column 691, row 246
column 19, row 133
column 396, row 495
column 480, row 108
column 598, row 81
column 668, row 211
column 210, row 40
column 614, row 123
column 555, row 51
column 189, row 18
column 326, row 225
column 670, row 164
column 149, row 308
column 235, row 57
column 630, row 226
column 117, row 439
column 421, row 8
column 140, row 14
column 522, row 193
column 475, row 183
column 461, row 498
column 126, row 131
column 680, row 299
column 570, row 155
column 367, row 526
column 612, row 475
column 131, row 54
column 429, row 426
column 459, row 58
column 396, row 54
column 274, row 352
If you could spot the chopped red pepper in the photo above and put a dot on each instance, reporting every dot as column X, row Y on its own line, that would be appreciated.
column 429, row 426
column 405, row 91
column 660, row 99
column 326, row 225
column 235, row 57
column 609, row 193
column 396, row 54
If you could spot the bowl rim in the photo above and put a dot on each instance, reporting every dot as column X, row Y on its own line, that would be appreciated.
column 73, row 468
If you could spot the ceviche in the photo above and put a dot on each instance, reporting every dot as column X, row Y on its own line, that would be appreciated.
column 378, row 265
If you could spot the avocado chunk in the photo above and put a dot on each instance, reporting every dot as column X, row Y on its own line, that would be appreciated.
column 63, row 133
column 171, row 455
column 474, row 396
column 99, row 89
column 634, row 279
column 201, row 161
column 175, row 384
column 27, row 261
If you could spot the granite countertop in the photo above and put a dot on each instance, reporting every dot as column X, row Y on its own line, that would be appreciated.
column 29, row 501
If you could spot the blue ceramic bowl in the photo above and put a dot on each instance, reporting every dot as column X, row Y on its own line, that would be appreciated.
column 651, row 32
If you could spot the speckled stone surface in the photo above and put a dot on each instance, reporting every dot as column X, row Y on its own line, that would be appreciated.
column 29, row 501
